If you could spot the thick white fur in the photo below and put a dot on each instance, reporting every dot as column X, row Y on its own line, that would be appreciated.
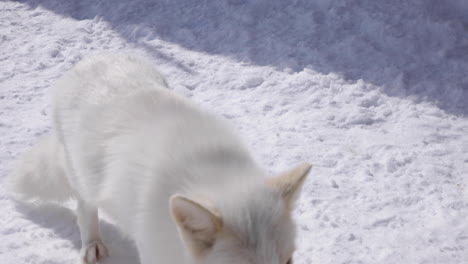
column 123, row 143
column 37, row 178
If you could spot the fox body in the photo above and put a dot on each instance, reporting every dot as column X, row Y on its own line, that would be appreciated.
column 172, row 177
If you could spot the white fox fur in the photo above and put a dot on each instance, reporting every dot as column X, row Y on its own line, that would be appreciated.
column 171, row 176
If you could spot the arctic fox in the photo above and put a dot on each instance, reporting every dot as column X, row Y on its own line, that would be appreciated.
column 172, row 177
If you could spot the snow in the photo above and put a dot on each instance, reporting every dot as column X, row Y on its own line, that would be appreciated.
column 373, row 93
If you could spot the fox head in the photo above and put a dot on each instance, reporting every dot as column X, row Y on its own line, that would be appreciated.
column 251, row 227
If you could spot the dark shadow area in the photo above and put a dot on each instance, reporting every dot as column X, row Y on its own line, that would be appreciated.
column 62, row 221
column 59, row 219
column 406, row 47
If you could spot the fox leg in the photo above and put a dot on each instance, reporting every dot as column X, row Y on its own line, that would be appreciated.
column 92, row 247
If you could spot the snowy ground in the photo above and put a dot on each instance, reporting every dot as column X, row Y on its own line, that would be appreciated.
column 374, row 93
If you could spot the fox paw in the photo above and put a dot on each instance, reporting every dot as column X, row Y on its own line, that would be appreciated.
column 93, row 252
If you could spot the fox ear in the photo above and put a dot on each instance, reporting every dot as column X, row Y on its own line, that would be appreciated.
column 197, row 225
column 289, row 183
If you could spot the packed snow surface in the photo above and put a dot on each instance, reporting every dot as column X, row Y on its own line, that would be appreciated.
column 374, row 93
